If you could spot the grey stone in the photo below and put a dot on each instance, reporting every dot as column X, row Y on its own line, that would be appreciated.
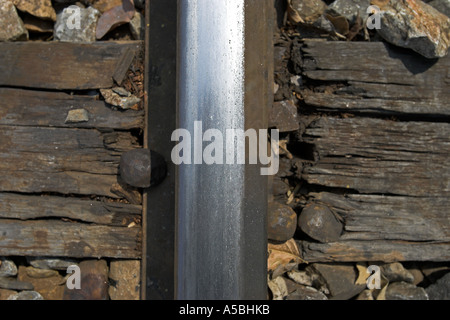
column 117, row 100
column 324, row 24
column 67, row 30
column 12, row 27
column 121, row 92
column 7, row 268
column 405, row 291
column 284, row 116
column 51, row 263
column 301, row 277
column 302, row 292
column 137, row 26
column 339, row 279
column 417, row 26
column 309, row 10
column 440, row 290
column 13, row 284
column 442, row 6
column 26, row 295
column 350, row 8
column 77, row 115
column 395, row 272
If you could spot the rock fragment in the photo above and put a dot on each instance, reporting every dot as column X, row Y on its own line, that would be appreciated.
column 49, row 283
column 405, row 291
column 77, row 115
column 306, row 293
column 137, row 26
column 301, row 277
column 305, row 11
column 440, row 290
column 38, row 8
column 75, row 24
column 442, row 6
column 7, row 268
column 119, row 100
column 415, row 25
column 394, row 272
column 13, row 284
column 417, row 274
column 284, row 116
column 125, row 276
column 350, row 8
column 40, row 273
column 115, row 17
column 26, row 295
column 12, row 27
column 339, row 279
column 5, row 294
column 105, row 5
column 51, row 263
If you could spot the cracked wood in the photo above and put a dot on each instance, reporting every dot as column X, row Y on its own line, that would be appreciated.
column 61, row 160
column 69, row 239
column 376, row 78
column 65, row 65
column 380, row 156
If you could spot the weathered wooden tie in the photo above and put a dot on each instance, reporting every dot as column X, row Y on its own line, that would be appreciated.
column 383, row 166
column 60, row 194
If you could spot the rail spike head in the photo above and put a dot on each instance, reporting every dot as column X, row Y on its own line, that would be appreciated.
column 142, row 168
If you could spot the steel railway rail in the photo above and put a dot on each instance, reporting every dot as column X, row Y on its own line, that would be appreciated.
column 205, row 225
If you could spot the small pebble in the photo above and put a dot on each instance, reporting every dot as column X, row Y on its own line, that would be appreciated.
column 26, row 295
column 77, row 115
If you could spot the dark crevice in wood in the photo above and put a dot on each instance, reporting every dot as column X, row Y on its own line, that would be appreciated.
column 93, row 197
column 396, row 116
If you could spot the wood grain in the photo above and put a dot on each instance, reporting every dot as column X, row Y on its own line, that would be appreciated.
column 65, row 65
column 29, row 207
column 62, row 160
column 68, row 239
column 42, row 108
column 379, row 156
column 376, row 78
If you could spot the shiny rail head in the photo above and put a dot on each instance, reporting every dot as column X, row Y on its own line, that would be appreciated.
column 221, row 211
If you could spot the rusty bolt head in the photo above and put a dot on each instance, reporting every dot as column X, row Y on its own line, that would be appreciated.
column 135, row 168
column 141, row 168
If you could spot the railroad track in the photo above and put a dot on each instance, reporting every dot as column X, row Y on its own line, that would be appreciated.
column 171, row 189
